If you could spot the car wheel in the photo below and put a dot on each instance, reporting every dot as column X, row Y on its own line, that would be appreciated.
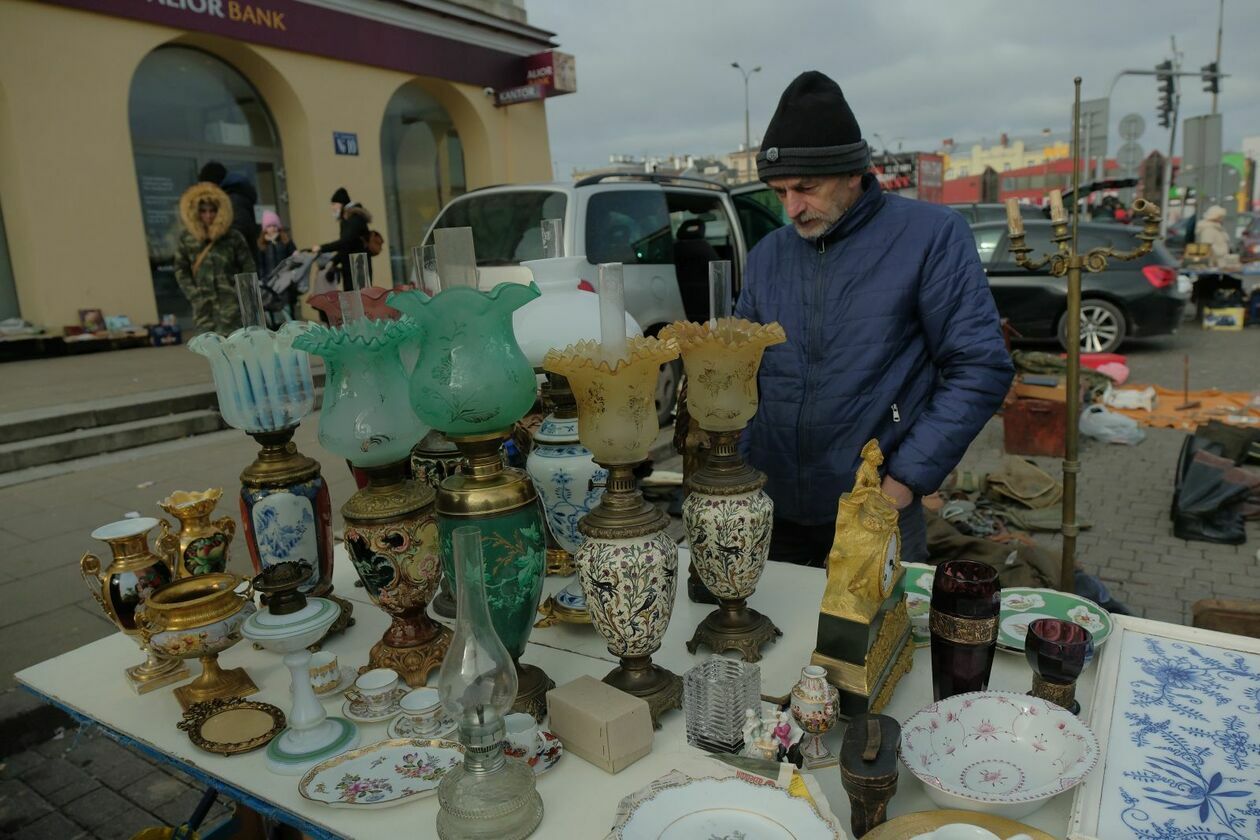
column 1102, row 327
column 667, row 391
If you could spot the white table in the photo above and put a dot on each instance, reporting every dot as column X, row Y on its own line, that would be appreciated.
column 580, row 799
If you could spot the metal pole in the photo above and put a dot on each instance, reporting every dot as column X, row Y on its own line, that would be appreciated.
column 1220, row 164
column 1172, row 144
column 747, row 134
column 1071, row 443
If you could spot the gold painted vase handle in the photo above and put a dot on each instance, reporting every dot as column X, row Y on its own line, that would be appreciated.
column 227, row 525
column 168, row 545
column 90, row 568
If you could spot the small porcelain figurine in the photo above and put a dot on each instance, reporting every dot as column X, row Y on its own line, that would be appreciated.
column 783, row 731
column 752, row 727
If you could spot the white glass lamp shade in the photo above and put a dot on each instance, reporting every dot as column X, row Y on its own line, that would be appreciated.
column 263, row 383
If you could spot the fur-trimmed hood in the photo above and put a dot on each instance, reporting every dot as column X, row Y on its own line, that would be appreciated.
column 194, row 195
column 354, row 208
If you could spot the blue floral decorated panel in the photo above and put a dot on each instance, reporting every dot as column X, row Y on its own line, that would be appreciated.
column 1184, row 759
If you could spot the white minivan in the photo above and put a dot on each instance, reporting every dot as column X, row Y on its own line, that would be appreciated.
column 664, row 230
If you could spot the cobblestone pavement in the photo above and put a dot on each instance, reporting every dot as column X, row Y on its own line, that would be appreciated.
column 83, row 785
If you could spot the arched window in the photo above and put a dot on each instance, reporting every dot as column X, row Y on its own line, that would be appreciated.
column 186, row 109
column 422, row 160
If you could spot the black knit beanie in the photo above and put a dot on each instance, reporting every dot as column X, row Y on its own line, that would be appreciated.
column 812, row 132
column 214, row 172
column 340, row 197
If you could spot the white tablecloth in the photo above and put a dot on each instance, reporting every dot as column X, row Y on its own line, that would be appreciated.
column 580, row 799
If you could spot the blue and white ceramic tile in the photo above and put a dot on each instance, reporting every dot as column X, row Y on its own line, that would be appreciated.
column 1185, row 744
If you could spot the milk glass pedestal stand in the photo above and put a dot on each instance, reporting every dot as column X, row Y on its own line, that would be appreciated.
column 727, row 515
column 290, row 624
column 628, row 565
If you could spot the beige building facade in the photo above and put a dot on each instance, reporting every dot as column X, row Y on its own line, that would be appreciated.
column 108, row 109
column 1002, row 157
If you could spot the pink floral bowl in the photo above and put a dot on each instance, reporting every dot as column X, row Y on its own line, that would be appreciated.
column 997, row 752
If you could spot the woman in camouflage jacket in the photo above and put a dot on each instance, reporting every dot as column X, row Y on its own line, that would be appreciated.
column 208, row 257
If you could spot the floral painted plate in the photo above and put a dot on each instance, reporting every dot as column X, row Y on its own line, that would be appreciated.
column 919, row 600
column 724, row 808
column 381, row 775
column 1022, row 606
column 545, row 756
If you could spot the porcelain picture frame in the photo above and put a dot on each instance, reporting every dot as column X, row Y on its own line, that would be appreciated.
column 1177, row 710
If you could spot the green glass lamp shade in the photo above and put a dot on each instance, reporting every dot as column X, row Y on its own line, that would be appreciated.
column 472, row 378
column 365, row 417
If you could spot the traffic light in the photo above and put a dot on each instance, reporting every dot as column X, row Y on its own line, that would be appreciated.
column 1167, row 88
column 1211, row 81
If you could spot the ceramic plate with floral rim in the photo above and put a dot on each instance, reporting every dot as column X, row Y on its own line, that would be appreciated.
column 996, row 751
column 724, row 809
column 919, row 600
column 545, row 756
column 1022, row 606
column 382, row 775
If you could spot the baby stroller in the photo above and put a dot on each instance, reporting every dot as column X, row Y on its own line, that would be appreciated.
column 284, row 286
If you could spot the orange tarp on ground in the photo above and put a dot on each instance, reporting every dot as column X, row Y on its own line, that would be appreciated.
column 1226, row 406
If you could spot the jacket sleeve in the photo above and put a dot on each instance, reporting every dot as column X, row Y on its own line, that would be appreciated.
column 352, row 240
column 183, row 269
column 964, row 338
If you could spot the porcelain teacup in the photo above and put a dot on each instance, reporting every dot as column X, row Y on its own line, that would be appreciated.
column 421, row 705
column 522, row 733
column 325, row 671
column 960, row 831
column 375, row 689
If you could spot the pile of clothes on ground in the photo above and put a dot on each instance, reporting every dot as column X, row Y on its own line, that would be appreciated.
column 983, row 517
column 1217, row 490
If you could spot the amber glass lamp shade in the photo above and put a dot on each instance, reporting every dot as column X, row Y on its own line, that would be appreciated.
column 616, row 404
column 721, row 360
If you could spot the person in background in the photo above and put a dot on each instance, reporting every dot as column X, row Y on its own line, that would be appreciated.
column 241, row 193
column 274, row 244
column 1209, row 231
column 208, row 257
column 353, row 219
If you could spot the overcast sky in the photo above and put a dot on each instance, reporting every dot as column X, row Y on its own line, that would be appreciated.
column 654, row 76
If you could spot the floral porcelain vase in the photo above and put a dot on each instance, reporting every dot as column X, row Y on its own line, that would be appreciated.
column 473, row 383
column 814, row 708
column 200, row 545
column 628, row 564
column 391, row 532
column 264, row 388
column 122, row 586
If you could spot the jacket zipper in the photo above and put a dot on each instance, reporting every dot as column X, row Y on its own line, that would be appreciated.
column 811, row 329
column 896, row 414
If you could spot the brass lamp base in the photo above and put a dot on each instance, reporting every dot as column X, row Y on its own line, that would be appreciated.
column 344, row 621
column 214, row 683
column 553, row 612
column 156, row 672
column 560, row 562
column 413, row 663
column 443, row 602
column 532, row 685
column 735, row 626
column 640, row 676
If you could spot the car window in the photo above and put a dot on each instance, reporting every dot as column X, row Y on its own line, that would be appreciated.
column 628, row 226
column 987, row 240
column 990, row 213
column 506, row 226
column 756, row 218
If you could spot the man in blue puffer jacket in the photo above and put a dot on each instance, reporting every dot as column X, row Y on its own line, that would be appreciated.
column 892, row 331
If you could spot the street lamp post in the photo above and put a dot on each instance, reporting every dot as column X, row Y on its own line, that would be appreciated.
column 747, row 135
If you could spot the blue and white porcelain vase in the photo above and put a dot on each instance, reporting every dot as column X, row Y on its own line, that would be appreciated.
column 567, row 477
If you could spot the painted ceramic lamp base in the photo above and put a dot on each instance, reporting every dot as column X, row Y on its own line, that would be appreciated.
column 735, row 626
column 214, row 683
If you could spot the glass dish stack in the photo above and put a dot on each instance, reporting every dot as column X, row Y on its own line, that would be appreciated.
column 716, row 694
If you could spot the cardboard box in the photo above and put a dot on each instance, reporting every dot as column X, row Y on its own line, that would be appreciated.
column 1229, row 318
column 1054, row 393
column 601, row 724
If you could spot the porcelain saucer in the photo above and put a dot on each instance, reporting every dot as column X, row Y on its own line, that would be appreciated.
column 345, row 680
column 545, row 756
column 357, row 710
column 403, row 727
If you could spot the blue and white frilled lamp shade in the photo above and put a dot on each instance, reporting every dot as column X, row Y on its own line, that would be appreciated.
column 264, row 388
column 391, row 532
column 473, row 383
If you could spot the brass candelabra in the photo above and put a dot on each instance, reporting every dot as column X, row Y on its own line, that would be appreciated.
column 1070, row 262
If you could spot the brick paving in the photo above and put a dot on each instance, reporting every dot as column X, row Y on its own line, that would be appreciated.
column 83, row 785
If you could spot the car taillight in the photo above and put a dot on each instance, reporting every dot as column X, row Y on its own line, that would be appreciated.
column 585, row 286
column 1159, row 276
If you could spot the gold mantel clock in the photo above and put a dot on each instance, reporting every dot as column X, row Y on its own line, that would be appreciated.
column 863, row 628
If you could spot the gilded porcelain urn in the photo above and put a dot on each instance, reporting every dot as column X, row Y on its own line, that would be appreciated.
column 200, row 544
column 628, row 564
column 727, row 515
